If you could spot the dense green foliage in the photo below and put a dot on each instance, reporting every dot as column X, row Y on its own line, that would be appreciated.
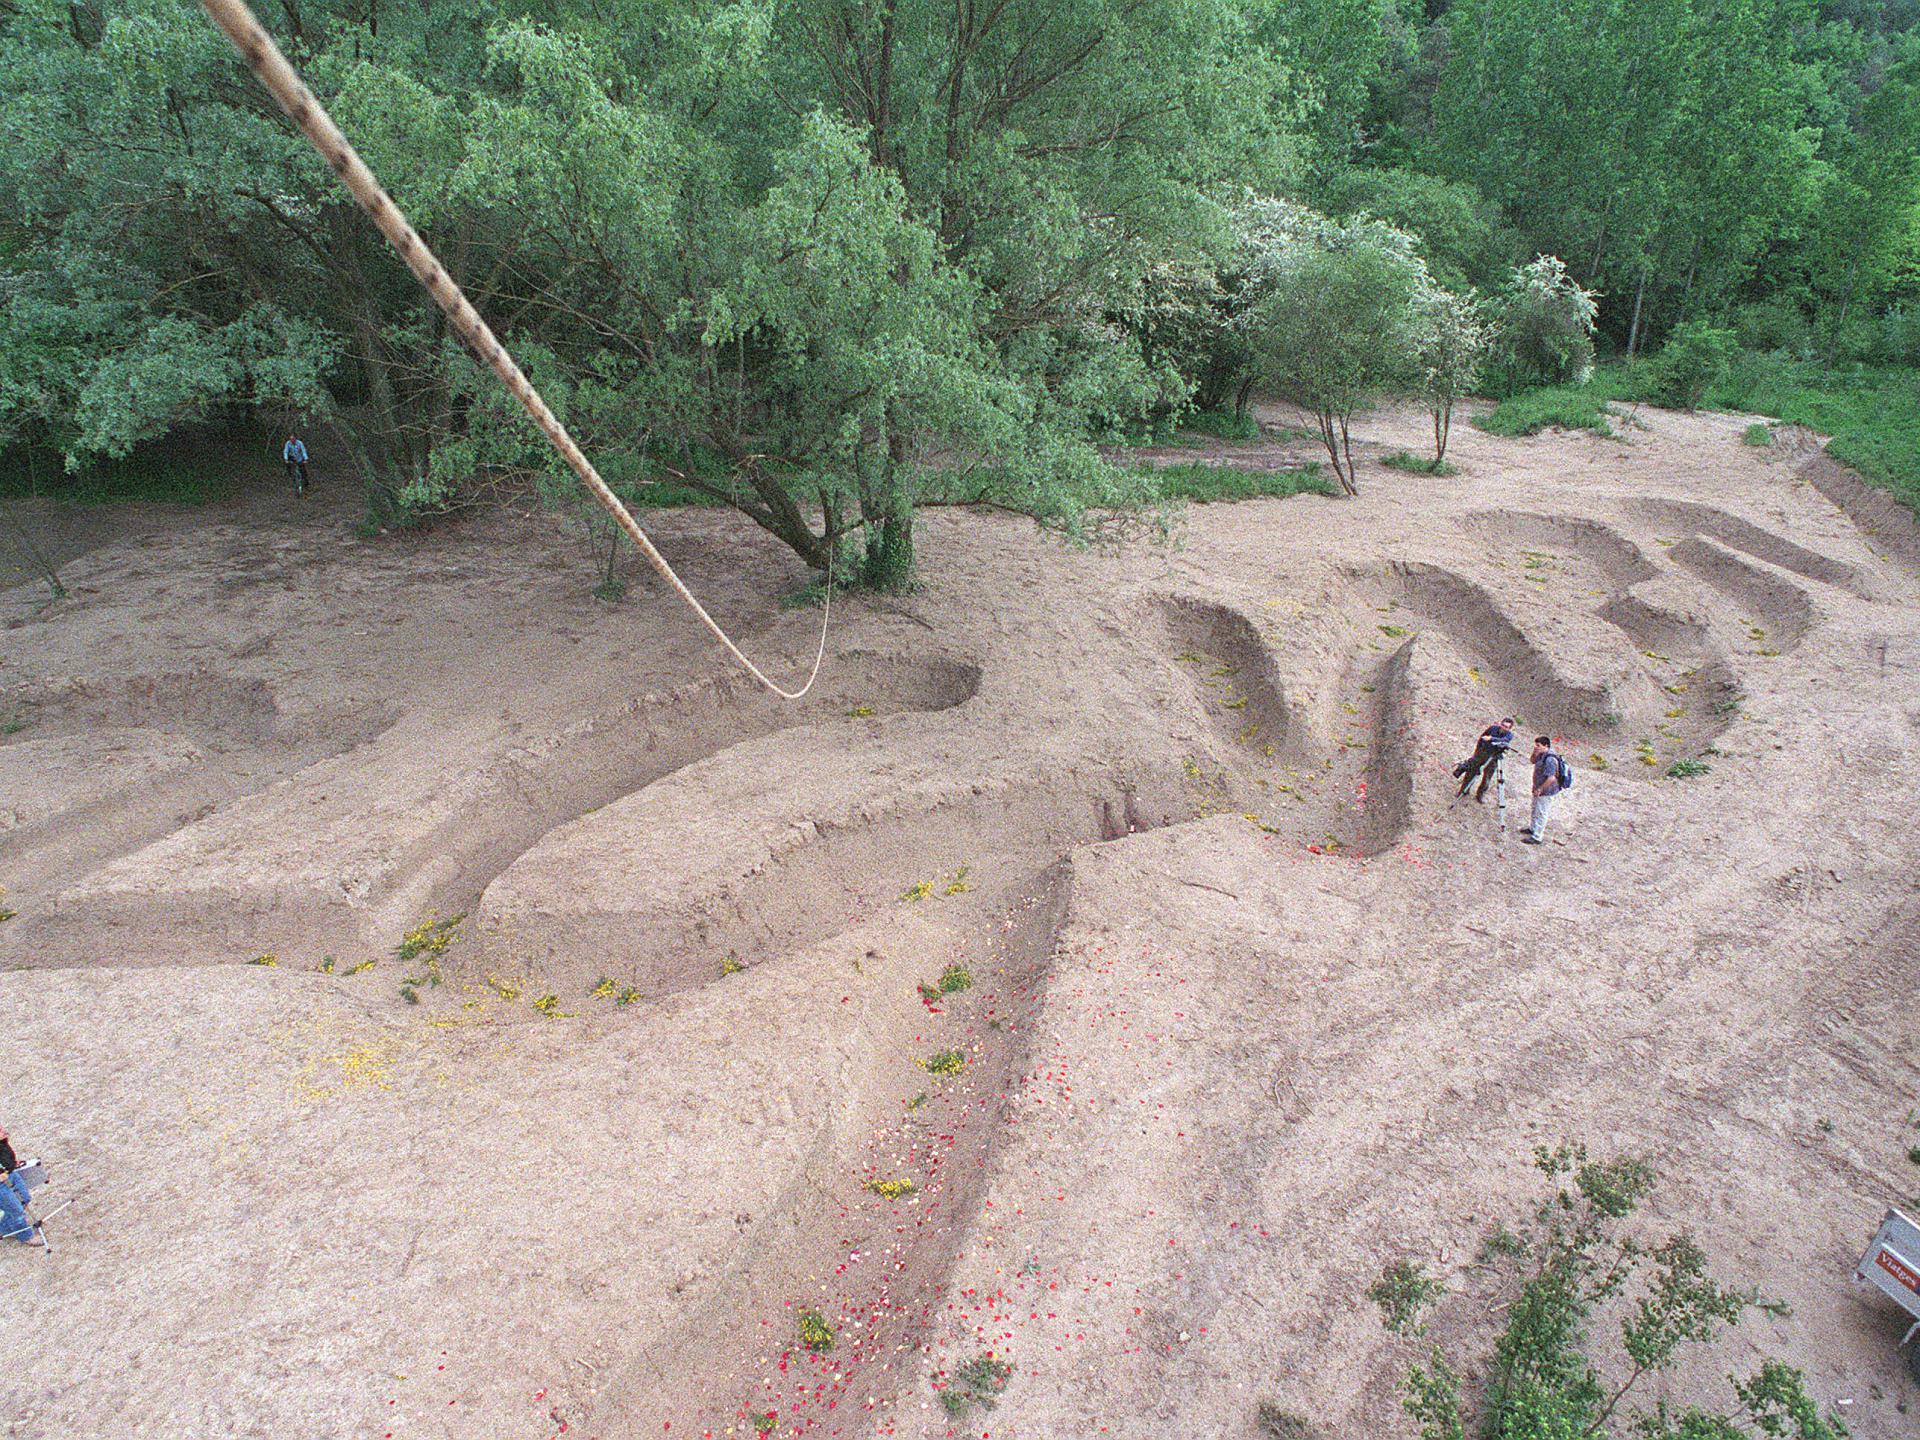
column 1576, row 1272
column 797, row 256
column 1872, row 412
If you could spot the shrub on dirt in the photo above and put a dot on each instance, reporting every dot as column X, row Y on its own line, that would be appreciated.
column 1696, row 358
column 1549, row 1372
column 1453, row 338
column 1543, row 328
column 1278, row 1424
column 1402, row 1292
column 953, row 979
column 1337, row 322
column 978, row 1381
column 429, row 938
column 815, row 1334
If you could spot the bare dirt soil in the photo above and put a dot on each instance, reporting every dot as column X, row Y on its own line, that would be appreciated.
column 1256, row 1005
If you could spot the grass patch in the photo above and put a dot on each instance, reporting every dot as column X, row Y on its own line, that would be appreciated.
column 1196, row 427
column 1562, row 407
column 947, row 1062
column 1759, row 435
column 978, row 1381
column 1418, row 464
column 1204, row 484
column 1687, row 769
column 815, row 1333
column 1871, row 413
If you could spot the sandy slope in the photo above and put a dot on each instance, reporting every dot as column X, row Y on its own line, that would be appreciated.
column 1255, row 1007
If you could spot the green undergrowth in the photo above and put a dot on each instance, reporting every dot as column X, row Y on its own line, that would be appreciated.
column 1204, row 484
column 172, row 472
column 1870, row 413
column 1562, row 407
column 1418, row 464
column 1197, row 427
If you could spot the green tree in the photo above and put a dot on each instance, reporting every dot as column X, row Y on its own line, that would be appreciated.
column 1453, row 342
column 1543, row 327
column 1336, row 322
column 1578, row 1257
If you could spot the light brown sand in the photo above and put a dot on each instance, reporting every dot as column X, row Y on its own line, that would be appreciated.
column 1307, row 1017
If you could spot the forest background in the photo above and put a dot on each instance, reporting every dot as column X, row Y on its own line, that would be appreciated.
column 824, row 260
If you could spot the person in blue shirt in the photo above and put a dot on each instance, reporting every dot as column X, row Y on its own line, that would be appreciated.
column 1550, row 777
column 1485, row 759
column 294, row 452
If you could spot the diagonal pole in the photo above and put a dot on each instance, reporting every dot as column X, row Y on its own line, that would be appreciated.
column 272, row 70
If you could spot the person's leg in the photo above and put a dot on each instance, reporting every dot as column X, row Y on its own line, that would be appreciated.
column 1486, row 779
column 1541, row 805
column 14, row 1224
column 1472, row 766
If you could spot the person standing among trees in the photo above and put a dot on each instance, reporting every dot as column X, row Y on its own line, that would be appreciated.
column 1551, row 776
column 1485, row 760
column 294, row 452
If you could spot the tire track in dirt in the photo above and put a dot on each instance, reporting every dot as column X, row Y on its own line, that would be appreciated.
column 240, row 744
column 1786, row 608
column 1317, row 777
column 874, row 1267
column 1690, row 688
column 1750, row 539
column 504, row 810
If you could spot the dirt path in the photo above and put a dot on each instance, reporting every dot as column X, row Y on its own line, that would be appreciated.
column 1255, row 1004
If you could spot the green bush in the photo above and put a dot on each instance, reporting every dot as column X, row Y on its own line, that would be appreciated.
column 1566, row 407
column 1696, row 358
column 1770, row 325
column 1553, row 1372
column 1206, row 483
column 1418, row 464
column 1543, row 329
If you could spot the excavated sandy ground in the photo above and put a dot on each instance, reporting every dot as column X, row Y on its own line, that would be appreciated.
column 1256, row 1008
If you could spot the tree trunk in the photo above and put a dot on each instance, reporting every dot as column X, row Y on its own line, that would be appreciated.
column 889, row 563
column 1633, row 329
column 34, row 555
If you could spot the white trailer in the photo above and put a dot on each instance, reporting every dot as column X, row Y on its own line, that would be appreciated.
column 1892, row 1266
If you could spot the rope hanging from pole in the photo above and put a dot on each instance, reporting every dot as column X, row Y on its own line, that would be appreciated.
column 272, row 70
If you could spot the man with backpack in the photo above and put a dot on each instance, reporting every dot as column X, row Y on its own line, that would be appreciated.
column 1551, row 776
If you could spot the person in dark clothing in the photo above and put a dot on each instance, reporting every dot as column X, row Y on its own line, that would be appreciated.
column 294, row 452
column 1486, row 757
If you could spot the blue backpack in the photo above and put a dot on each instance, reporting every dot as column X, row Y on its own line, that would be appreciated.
column 1566, row 772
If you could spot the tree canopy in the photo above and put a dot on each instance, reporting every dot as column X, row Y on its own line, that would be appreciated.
column 793, row 255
